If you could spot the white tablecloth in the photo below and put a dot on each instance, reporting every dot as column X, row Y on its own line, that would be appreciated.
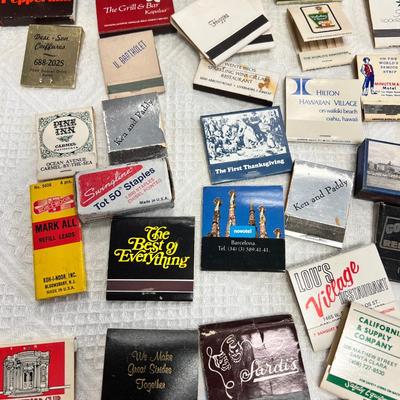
column 218, row 296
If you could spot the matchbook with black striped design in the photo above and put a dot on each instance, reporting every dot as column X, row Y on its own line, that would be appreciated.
column 151, row 259
column 385, row 18
column 219, row 29
column 264, row 41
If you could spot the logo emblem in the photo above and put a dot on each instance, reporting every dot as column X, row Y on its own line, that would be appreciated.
column 97, row 184
column 301, row 89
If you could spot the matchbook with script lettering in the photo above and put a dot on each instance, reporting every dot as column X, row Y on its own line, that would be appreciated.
column 325, row 287
column 115, row 17
column 318, row 203
column 124, row 189
column 149, row 364
column 253, row 359
column 151, row 259
column 219, row 29
column 364, row 363
column 134, row 129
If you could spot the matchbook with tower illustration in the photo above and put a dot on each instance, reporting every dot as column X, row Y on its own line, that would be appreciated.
column 243, row 229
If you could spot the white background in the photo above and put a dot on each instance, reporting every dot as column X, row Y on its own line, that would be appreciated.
column 218, row 296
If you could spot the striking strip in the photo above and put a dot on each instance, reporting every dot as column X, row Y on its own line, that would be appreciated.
column 135, row 86
column 150, row 286
column 237, row 37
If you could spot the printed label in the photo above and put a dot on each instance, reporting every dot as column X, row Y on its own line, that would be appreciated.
column 94, row 185
column 64, row 135
column 122, row 16
column 321, row 18
column 154, row 248
column 116, row 190
column 243, row 231
column 54, row 204
column 56, row 232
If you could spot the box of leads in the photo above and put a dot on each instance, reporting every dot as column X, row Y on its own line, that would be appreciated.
column 58, row 257
column 122, row 189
